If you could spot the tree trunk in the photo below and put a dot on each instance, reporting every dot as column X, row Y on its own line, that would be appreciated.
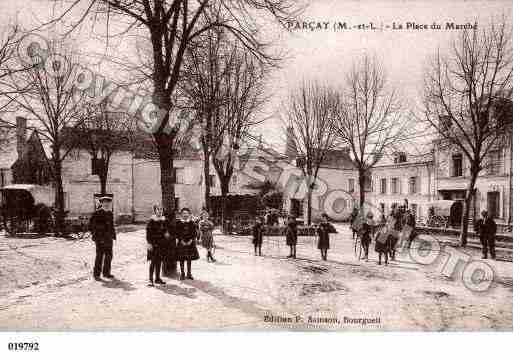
column 466, row 209
column 59, row 198
column 361, row 185
column 104, row 174
column 206, row 175
column 164, row 144
column 103, row 182
column 224, row 203
column 309, row 205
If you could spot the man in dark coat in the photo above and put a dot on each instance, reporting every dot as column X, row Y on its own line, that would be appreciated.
column 486, row 228
column 102, row 229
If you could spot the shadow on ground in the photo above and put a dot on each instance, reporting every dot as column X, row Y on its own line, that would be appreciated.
column 172, row 289
column 119, row 284
column 244, row 305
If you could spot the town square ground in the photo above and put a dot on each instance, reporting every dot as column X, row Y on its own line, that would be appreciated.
column 46, row 284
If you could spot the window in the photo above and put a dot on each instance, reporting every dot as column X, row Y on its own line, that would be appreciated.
column 445, row 122
column 296, row 207
column 212, row 180
column 383, row 186
column 413, row 185
column 395, row 185
column 300, row 162
column 400, row 157
column 234, row 180
column 180, row 175
column 351, row 185
column 457, row 165
column 493, row 203
column 494, row 162
column 414, row 209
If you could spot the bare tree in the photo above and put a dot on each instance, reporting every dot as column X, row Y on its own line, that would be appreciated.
column 202, row 80
column 9, row 39
column 369, row 119
column 467, row 99
column 102, row 133
column 242, row 99
column 46, row 93
column 309, row 114
column 172, row 27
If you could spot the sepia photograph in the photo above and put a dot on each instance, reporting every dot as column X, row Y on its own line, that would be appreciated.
column 255, row 167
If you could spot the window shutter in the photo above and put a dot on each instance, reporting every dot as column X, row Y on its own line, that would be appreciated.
column 173, row 175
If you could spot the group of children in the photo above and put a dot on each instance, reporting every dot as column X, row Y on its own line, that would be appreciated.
column 323, row 231
column 386, row 231
column 176, row 241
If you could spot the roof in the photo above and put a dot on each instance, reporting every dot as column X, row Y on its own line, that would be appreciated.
column 8, row 155
column 338, row 158
column 22, row 186
column 410, row 160
column 141, row 143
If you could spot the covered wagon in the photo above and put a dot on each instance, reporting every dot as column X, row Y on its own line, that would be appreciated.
column 23, row 205
column 443, row 213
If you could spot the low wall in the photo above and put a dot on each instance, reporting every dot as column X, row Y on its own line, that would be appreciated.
column 500, row 237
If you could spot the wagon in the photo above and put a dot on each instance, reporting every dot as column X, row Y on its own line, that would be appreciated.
column 26, row 206
column 444, row 213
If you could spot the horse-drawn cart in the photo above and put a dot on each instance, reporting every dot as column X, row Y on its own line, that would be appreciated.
column 444, row 213
column 26, row 207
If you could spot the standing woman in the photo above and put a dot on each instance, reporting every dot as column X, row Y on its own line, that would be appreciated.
column 205, row 234
column 156, row 237
column 324, row 230
column 186, row 250
column 258, row 236
column 169, row 248
column 366, row 233
column 383, row 242
column 291, row 235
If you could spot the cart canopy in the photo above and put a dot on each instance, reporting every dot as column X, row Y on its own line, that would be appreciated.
column 442, row 207
column 40, row 194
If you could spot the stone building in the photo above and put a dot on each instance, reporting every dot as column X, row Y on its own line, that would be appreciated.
column 403, row 177
column 133, row 176
column 493, row 186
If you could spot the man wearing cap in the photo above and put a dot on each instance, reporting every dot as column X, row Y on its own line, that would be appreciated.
column 486, row 228
column 103, row 233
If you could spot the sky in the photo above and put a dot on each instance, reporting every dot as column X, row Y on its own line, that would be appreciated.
column 325, row 55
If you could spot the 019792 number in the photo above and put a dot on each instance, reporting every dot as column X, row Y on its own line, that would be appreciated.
column 23, row 346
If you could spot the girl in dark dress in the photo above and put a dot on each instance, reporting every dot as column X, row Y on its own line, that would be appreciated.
column 382, row 246
column 396, row 226
column 169, row 250
column 258, row 234
column 186, row 250
column 205, row 234
column 291, row 236
column 323, row 230
column 366, row 233
column 156, row 236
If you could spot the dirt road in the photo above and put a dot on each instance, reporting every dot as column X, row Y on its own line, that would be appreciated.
column 46, row 284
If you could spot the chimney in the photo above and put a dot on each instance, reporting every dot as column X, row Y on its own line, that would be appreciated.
column 290, row 147
column 21, row 135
